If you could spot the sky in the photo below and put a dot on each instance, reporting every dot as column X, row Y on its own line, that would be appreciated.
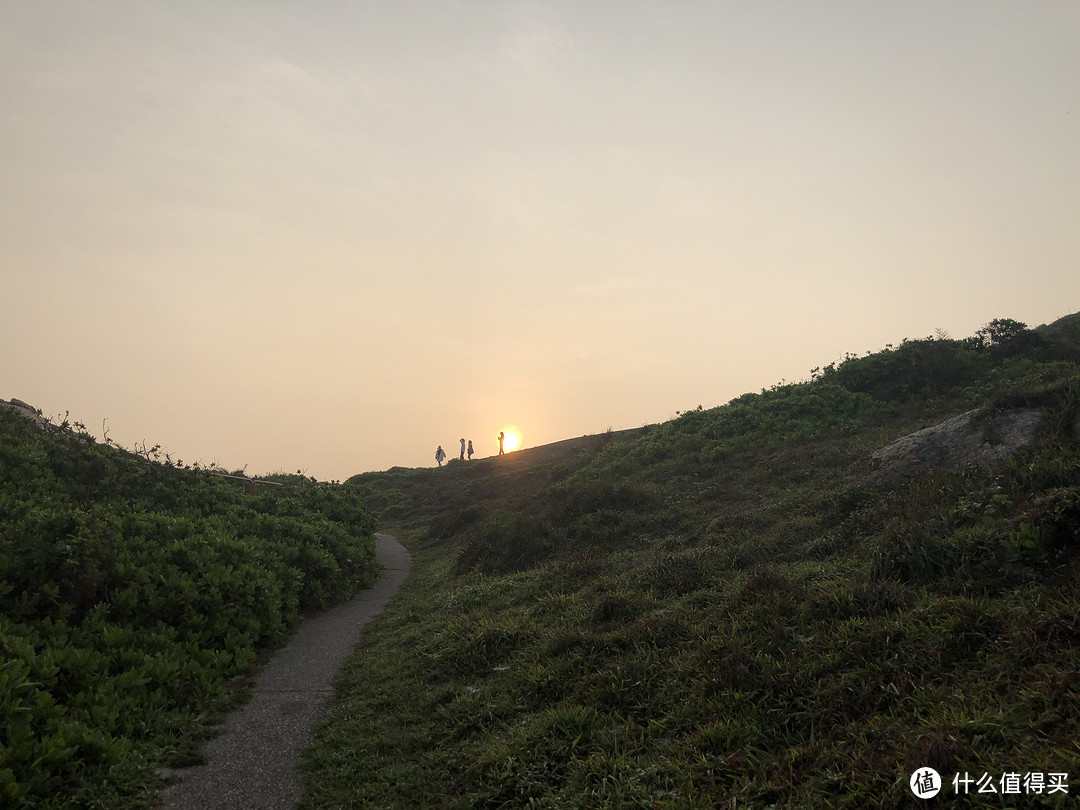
column 331, row 236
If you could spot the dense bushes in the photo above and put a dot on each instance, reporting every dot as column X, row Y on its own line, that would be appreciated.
column 130, row 593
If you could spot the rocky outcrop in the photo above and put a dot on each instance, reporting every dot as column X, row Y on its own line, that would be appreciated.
column 27, row 410
column 972, row 439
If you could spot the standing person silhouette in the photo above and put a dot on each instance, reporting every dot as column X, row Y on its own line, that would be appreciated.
column 440, row 454
column 501, row 435
column 462, row 457
column 470, row 450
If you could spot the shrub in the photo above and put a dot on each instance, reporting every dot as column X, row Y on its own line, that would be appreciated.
column 130, row 593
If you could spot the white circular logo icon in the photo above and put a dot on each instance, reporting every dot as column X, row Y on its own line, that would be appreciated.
column 925, row 783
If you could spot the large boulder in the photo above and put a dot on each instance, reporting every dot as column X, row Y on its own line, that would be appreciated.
column 972, row 439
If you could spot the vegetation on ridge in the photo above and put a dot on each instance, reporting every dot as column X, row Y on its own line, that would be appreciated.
column 719, row 611
column 134, row 595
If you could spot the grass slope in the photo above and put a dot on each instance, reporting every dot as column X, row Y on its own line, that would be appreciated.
column 719, row 612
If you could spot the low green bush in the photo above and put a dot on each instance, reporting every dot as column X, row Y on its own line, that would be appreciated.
column 131, row 593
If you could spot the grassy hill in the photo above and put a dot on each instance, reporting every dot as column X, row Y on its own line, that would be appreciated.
column 135, row 598
column 722, row 611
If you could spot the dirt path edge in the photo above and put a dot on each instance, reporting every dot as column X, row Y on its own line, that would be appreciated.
column 254, row 764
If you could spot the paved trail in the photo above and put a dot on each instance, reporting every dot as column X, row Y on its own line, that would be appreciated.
column 254, row 764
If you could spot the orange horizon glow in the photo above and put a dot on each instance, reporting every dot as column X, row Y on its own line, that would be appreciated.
column 578, row 218
column 511, row 438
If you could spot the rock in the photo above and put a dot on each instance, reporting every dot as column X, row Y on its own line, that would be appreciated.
column 970, row 439
column 27, row 410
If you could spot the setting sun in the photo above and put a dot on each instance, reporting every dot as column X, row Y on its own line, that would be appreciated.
column 511, row 439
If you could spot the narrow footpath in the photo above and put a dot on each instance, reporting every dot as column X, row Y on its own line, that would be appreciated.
column 254, row 764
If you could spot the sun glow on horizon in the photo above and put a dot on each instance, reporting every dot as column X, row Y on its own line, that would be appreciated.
column 511, row 438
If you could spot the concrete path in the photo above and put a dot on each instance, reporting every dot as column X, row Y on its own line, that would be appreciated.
column 254, row 764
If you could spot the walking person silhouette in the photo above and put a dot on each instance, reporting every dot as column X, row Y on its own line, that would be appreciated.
column 501, row 436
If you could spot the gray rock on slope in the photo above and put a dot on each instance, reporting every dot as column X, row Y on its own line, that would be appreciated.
column 970, row 439
column 27, row 410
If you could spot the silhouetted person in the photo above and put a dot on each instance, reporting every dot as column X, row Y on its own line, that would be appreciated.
column 470, row 449
column 462, row 450
column 501, row 435
column 440, row 455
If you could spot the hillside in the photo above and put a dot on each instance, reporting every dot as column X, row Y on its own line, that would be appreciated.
column 135, row 599
column 730, row 609
column 726, row 610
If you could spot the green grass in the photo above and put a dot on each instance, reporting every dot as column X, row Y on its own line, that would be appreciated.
column 720, row 612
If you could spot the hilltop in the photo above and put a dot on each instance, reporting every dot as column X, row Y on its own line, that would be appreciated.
column 727, row 609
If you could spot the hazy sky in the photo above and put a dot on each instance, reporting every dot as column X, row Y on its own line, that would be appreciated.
column 330, row 236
